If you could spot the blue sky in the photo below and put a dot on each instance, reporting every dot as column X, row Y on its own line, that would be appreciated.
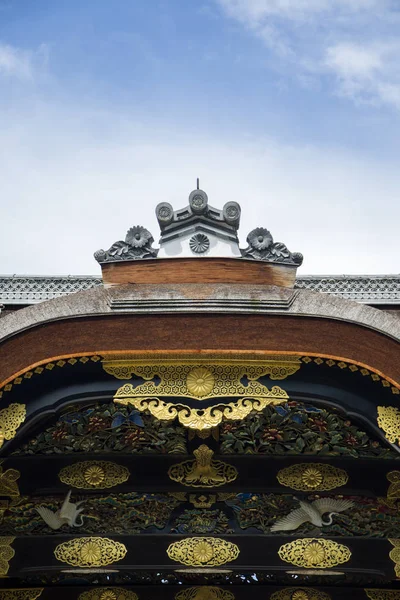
column 290, row 107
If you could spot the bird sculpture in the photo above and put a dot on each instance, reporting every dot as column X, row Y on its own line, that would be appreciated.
column 312, row 512
column 66, row 515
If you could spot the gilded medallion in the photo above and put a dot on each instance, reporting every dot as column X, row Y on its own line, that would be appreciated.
column 203, row 471
column 94, row 474
column 90, row 552
column 314, row 553
column 307, row 477
column 203, row 551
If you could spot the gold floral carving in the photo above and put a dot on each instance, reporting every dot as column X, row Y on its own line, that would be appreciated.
column 202, row 500
column 394, row 555
column 204, row 592
column 94, row 474
column 314, row 553
column 90, row 552
column 312, row 477
column 389, row 421
column 8, row 483
column 393, row 493
column 6, row 554
column 203, row 471
column 21, row 594
column 200, row 419
column 296, row 593
column 203, row 551
column 108, row 594
column 10, row 419
column 197, row 380
column 383, row 594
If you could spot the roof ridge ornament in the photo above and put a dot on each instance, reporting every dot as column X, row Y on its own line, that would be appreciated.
column 198, row 230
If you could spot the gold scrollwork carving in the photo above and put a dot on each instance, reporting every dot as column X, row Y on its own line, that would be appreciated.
column 393, row 493
column 203, row 471
column 203, row 551
column 10, row 419
column 314, row 553
column 204, row 592
column 389, row 422
column 21, row 594
column 6, row 554
column 200, row 419
column 90, row 552
column 383, row 594
column 8, row 483
column 299, row 593
column 201, row 380
column 94, row 474
column 108, row 594
column 307, row 477
column 394, row 555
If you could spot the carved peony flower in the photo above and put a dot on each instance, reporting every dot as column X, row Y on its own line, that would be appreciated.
column 94, row 475
column 314, row 554
column 91, row 553
column 203, row 552
column 259, row 238
column 312, row 477
column 138, row 237
column 200, row 382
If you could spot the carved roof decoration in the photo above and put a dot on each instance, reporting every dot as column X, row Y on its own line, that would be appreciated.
column 198, row 230
column 366, row 289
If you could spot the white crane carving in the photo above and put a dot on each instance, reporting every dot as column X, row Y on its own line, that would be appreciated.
column 312, row 512
column 66, row 515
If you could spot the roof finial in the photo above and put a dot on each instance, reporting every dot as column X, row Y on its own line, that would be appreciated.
column 198, row 183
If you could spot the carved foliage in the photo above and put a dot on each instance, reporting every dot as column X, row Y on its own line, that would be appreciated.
column 299, row 428
column 261, row 246
column 137, row 245
column 106, row 428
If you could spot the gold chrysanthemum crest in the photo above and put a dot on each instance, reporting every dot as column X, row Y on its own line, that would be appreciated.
column 203, row 552
column 200, row 382
column 108, row 594
column 297, row 593
column 389, row 422
column 90, row 552
column 204, row 592
column 307, row 477
column 314, row 553
column 94, row 474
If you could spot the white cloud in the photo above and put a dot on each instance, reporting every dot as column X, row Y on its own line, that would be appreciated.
column 353, row 42
column 73, row 182
column 19, row 63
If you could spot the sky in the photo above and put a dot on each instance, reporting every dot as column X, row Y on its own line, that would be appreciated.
column 289, row 107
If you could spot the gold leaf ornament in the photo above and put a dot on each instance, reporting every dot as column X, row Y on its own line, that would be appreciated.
column 108, row 594
column 204, row 592
column 10, row 419
column 315, row 553
column 21, row 594
column 312, row 477
column 295, row 593
column 90, row 552
column 94, row 474
column 203, row 551
column 201, row 419
column 394, row 555
column 383, row 594
column 6, row 554
column 203, row 471
column 389, row 422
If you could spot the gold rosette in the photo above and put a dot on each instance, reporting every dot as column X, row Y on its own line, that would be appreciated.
column 94, row 474
column 90, row 552
column 203, row 551
column 314, row 553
